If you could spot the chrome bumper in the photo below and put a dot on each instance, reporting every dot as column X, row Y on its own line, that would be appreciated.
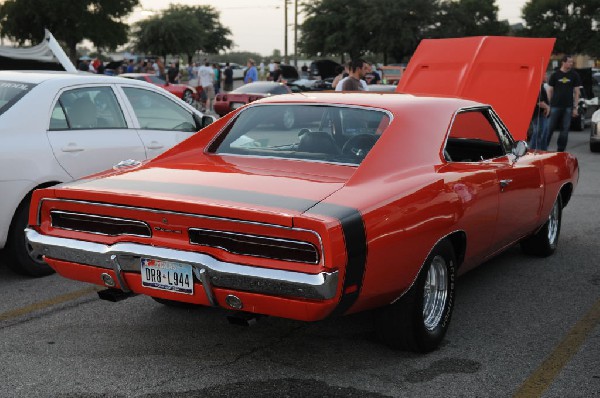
column 207, row 269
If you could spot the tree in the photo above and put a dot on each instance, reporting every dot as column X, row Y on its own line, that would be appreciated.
column 182, row 30
column 459, row 18
column 574, row 23
column 334, row 27
column 397, row 26
column 70, row 21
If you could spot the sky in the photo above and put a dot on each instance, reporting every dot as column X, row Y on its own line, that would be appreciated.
column 258, row 25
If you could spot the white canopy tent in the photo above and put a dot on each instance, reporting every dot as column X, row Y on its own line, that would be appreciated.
column 46, row 55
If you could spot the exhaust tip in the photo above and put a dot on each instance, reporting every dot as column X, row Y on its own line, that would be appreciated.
column 234, row 302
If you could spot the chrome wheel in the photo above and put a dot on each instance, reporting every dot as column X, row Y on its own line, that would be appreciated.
column 553, row 221
column 435, row 293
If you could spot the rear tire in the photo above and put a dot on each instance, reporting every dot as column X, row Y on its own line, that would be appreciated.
column 595, row 146
column 418, row 321
column 21, row 257
column 544, row 242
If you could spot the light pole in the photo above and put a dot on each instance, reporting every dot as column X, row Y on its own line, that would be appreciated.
column 285, row 30
column 296, row 34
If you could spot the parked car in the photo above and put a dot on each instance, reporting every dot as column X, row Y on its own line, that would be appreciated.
column 371, row 200
column 187, row 93
column 391, row 74
column 238, row 70
column 226, row 102
column 56, row 127
column 323, row 68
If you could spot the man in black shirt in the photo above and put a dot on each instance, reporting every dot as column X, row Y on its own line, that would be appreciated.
column 564, row 96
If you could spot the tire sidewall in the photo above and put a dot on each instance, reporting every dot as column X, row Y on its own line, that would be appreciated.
column 426, row 339
column 20, row 260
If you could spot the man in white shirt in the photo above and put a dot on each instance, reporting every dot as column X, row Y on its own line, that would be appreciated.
column 206, row 75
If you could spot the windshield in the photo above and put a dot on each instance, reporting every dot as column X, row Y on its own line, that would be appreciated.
column 261, row 88
column 311, row 132
column 11, row 92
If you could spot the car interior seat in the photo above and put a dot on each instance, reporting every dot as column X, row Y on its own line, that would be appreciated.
column 318, row 142
column 82, row 114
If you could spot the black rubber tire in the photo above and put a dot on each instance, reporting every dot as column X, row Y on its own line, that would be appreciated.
column 543, row 243
column 594, row 146
column 578, row 123
column 19, row 250
column 402, row 325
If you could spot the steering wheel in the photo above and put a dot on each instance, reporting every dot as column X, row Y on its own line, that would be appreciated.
column 359, row 145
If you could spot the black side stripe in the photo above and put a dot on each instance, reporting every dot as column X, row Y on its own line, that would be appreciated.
column 356, row 249
column 350, row 219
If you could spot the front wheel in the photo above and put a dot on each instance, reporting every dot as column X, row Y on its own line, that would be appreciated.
column 418, row 321
column 23, row 259
column 544, row 242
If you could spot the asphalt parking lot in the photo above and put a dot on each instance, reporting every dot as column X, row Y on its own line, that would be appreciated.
column 522, row 326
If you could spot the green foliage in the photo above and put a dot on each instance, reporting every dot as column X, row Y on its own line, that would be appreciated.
column 182, row 30
column 469, row 18
column 392, row 28
column 70, row 21
column 574, row 23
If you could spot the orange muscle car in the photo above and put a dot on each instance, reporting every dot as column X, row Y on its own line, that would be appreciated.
column 368, row 201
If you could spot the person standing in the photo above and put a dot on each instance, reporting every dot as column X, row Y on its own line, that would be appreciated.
column 539, row 121
column 207, row 76
column 355, row 81
column 564, row 94
column 251, row 73
column 228, row 78
column 173, row 73
column 217, row 82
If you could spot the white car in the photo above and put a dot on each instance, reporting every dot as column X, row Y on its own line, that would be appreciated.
column 58, row 126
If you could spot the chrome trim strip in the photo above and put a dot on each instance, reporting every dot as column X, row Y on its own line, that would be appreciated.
column 222, row 274
column 273, row 239
column 178, row 213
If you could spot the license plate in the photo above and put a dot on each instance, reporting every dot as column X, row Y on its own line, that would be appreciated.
column 167, row 275
column 235, row 105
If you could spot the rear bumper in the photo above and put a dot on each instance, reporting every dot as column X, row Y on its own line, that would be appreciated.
column 123, row 258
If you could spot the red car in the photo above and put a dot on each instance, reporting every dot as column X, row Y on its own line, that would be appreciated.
column 226, row 102
column 371, row 200
column 183, row 91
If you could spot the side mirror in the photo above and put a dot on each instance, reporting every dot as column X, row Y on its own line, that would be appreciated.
column 206, row 120
column 519, row 149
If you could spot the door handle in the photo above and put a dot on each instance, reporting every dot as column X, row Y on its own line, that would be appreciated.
column 72, row 147
column 504, row 184
column 155, row 145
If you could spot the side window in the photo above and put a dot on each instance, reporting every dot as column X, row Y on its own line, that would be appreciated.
column 473, row 138
column 58, row 120
column 157, row 112
column 87, row 108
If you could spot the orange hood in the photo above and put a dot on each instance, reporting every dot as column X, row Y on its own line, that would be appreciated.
column 505, row 72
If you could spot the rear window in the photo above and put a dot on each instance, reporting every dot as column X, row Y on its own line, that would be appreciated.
column 11, row 92
column 309, row 132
